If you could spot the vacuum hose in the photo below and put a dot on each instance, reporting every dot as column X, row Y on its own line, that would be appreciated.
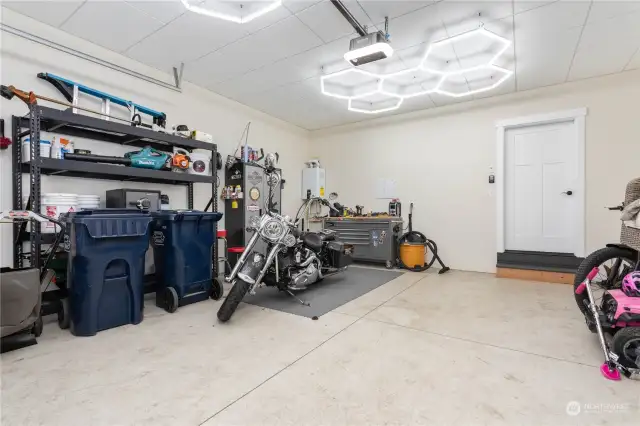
column 417, row 237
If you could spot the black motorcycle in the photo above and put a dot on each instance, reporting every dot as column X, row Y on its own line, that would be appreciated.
column 294, row 259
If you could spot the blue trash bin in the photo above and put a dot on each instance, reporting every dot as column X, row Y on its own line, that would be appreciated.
column 183, row 254
column 105, row 271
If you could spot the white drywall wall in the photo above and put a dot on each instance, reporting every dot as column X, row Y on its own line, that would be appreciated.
column 21, row 60
column 441, row 161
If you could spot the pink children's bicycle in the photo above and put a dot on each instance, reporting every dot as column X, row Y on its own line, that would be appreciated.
column 607, row 291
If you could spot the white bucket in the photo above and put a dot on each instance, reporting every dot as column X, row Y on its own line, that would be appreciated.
column 45, row 149
column 53, row 204
column 200, row 162
column 88, row 202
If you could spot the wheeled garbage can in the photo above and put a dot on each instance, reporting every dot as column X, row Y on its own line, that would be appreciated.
column 105, row 271
column 183, row 255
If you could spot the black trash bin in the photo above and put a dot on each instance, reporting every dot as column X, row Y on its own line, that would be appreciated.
column 183, row 254
column 105, row 271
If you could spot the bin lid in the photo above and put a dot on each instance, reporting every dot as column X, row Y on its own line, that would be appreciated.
column 110, row 212
column 111, row 223
column 177, row 215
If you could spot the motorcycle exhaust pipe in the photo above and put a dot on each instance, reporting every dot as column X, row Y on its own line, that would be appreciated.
column 308, row 261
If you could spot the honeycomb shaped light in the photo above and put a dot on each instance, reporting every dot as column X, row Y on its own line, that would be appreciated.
column 410, row 83
column 375, row 103
column 458, row 66
column 471, row 81
column 236, row 11
column 471, row 49
column 350, row 83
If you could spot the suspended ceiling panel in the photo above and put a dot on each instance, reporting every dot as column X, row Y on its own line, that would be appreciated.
column 274, row 63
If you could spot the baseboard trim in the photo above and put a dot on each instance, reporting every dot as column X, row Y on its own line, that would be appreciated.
column 536, row 275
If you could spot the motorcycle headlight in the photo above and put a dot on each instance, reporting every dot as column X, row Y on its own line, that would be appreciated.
column 290, row 240
column 273, row 230
column 254, row 222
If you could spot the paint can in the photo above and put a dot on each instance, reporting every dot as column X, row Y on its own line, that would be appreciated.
column 54, row 204
column 88, row 202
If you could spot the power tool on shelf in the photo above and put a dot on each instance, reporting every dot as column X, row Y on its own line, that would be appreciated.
column 149, row 158
column 180, row 160
column 146, row 158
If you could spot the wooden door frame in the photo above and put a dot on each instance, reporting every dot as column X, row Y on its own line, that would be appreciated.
column 575, row 116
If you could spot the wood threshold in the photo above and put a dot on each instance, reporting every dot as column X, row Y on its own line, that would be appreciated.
column 534, row 275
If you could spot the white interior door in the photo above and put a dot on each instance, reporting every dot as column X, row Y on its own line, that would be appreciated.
column 541, row 177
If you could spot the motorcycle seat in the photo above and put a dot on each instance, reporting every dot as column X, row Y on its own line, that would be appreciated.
column 315, row 240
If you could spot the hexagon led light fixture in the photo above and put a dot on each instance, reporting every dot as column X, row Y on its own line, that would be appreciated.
column 410, row 83
column 473, row 48
column 471, row 71
column 350, row 84
column 234, row 11
column 375, row 103
column 476, row 80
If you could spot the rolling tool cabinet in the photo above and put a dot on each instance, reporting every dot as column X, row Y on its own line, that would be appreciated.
column 375, row 239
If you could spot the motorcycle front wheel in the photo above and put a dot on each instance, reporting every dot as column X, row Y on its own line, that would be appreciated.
column 233, row 299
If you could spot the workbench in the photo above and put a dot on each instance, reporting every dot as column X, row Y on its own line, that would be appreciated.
column 374, row 238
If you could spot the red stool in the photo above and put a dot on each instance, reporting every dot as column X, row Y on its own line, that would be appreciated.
column 222, row 235
column 237, row 251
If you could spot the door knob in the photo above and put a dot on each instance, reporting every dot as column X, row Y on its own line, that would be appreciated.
column 568, row 192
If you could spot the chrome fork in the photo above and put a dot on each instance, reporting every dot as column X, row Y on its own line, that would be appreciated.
column 267, row 263
column 243, row 257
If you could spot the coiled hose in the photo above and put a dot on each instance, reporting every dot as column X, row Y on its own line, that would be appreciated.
column 418, row 237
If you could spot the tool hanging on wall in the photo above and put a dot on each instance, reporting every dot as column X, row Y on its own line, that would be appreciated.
column 71, row 90
column 232, row 159
column 30, row 98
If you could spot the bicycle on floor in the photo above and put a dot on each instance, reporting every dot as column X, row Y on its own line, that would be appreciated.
column 607, row 291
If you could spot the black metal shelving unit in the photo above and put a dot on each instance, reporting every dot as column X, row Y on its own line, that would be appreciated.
column 41, row 118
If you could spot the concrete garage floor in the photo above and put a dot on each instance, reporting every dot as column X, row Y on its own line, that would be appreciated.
column 457, row 349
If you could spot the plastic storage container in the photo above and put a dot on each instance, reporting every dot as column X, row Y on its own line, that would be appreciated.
column 55, row 204
column 183, row 250
column 105, row 271
column 88, row 202
column 45, row 149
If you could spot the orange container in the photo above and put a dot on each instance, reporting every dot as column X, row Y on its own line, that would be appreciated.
column 412, row 254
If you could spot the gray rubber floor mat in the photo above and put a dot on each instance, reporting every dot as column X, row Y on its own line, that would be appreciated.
column 326, row 295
